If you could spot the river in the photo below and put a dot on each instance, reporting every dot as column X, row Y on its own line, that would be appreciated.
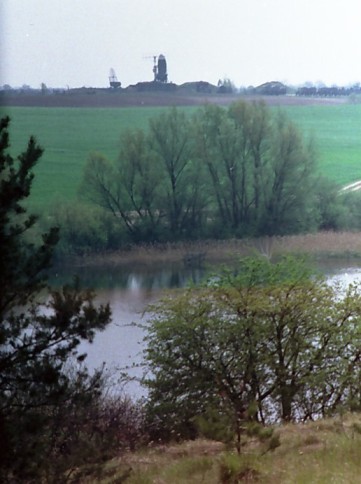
column 129, row 292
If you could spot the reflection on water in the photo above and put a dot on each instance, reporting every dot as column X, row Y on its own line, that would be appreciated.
column 148, row 279
column 144, row 278
column 351, row 275
column 129, row 293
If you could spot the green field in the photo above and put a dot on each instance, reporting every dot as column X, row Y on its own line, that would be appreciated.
column 68, row 135
column 337, row 133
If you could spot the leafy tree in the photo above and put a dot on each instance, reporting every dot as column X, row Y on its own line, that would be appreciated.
column 334, row 210
column 221, row 152
column 37, row 335
column 138, row 172
column 235, row 172
column 129, row 188
column 154, row 187
column 182, row 181
column 233, row 145
column 290, row 191
column 226, row 86
column 349, row 204
column 255, row 163
column 84, row 229
column 253, row 122
column 265, row 334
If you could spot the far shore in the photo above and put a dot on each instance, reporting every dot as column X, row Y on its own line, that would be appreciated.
column 322, row 245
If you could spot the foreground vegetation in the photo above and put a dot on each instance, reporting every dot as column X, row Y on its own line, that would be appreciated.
column 263, row 342
column 45, row 389
column 316, row 452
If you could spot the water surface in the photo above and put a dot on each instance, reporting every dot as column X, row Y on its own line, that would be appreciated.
column 129, row 292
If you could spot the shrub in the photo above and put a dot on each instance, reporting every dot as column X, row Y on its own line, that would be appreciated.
column 235, row 469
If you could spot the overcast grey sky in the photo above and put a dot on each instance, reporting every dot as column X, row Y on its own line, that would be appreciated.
column 75, row 42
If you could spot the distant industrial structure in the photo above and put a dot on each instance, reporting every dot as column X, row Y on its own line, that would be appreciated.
column 160, row 75
column 113, row 80
column 159, row 68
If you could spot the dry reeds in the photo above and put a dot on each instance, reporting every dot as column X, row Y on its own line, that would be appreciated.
column 318, row 245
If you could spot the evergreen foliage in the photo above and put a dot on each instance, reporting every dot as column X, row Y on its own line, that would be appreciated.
column 39, row 333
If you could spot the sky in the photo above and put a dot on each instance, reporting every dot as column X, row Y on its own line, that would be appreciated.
column 75, row 42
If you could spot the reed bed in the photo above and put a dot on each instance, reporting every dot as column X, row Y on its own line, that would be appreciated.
column 322, row 245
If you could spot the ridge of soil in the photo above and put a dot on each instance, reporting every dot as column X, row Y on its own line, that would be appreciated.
column 107, row 98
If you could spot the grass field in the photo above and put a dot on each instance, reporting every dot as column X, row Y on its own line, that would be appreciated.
column 68, row 135
column 337, row 132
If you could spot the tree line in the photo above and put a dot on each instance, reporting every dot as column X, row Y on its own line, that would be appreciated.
column 224, row 172
column 236, row 172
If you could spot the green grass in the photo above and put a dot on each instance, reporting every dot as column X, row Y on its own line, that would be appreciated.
column 337, row 133
column 320, row 452
column 68, row 135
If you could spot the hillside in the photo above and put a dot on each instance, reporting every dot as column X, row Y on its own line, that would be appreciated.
column 315, row 452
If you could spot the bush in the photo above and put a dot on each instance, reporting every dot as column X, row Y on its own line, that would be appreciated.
column 235, row 469
column 87, row 434
column 85, row 229
column 215, row 425
column 263, row 342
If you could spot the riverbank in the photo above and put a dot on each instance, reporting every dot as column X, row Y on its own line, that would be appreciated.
column 322, row 245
